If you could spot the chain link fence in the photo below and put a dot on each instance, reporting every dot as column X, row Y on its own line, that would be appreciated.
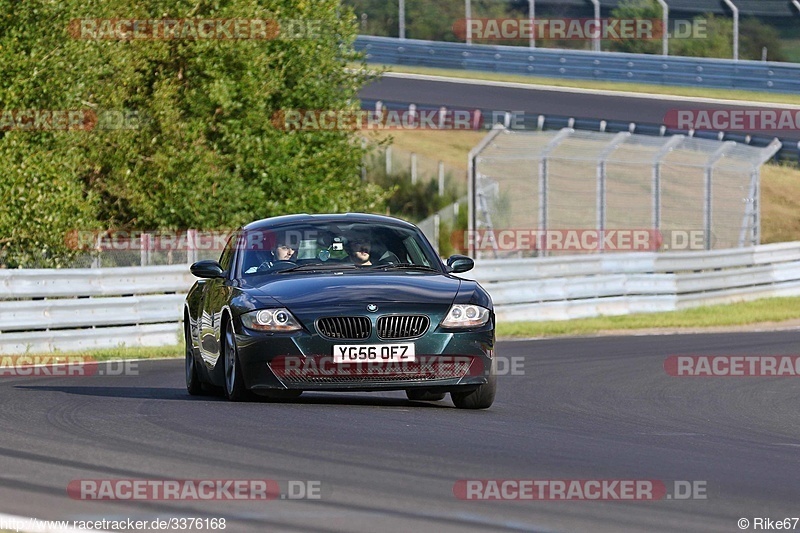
column 533, row 192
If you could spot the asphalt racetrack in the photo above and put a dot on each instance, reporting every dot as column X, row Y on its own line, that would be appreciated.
column 577, row 409
column 559, row 102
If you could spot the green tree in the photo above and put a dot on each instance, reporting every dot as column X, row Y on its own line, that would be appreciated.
column 204, row 152
column 634, row 10
column 754, row 36
column 714, row 39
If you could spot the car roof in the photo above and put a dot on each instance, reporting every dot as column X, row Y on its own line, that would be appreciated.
column 347, row 218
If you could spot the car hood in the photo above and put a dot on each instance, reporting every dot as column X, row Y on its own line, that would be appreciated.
column 349, row 290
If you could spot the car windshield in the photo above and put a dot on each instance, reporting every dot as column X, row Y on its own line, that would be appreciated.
column 320, row 247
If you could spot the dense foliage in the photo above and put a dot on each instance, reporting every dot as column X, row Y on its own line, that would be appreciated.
column 185, row 137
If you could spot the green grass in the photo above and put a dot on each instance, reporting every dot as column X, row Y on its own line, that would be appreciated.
column 699, row 92
column 769, row 310
column 112, row 354
column 761, row 311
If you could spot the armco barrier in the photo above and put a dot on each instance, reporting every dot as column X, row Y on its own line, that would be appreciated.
column 45, row 310
column 560, row 288
column 790, row 148
column 578, row 64
column 75, row 309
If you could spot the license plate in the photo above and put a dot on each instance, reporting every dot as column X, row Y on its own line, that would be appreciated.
column 385, row 353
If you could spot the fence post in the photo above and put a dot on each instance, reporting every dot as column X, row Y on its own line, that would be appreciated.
column 413, row 168
column 596, row 36
column 560, row 136
column 468, row 16
column 709, row 174
column 669, row 146
column 191, row 243
column 441, row 178
column 665, row 27
column 436, row 223
column 532, row 15
column 144, row 249
column 472, row 171
column 618, row 139
column 388, row 155
column 735, row 11
column 401, row 16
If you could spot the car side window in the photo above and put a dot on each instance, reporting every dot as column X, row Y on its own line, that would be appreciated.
column 227, row 254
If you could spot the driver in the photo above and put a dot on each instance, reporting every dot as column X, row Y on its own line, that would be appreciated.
column 282, row 251
column 359, row 248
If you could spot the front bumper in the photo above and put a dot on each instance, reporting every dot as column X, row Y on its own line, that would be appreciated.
column 445, row 360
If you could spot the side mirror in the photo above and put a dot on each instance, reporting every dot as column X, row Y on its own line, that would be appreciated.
column 207, row 269
column 460, row 263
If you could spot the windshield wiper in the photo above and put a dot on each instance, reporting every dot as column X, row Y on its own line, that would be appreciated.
column 403, row 266
column 317, row 266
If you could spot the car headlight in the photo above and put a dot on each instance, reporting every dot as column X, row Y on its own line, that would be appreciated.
column 271, row 320
column 465, row 316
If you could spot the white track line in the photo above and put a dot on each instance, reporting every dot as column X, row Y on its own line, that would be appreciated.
column 575, row 90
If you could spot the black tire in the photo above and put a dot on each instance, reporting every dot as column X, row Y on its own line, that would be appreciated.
column 193, row 384
column 479, row 398
column 280, row 395
column 421, row 395
column 235, row 389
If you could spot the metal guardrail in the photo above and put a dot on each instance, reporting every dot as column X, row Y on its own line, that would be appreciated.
column 578, row 64
column 46, row 310
column 561, row 288
column 74, row 309
column 790, row 150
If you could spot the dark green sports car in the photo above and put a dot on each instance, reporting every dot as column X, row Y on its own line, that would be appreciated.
column 338, row 303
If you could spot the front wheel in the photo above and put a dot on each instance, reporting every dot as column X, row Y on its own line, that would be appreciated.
column 193, row 385
column 479, row 398
column 235, row 390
